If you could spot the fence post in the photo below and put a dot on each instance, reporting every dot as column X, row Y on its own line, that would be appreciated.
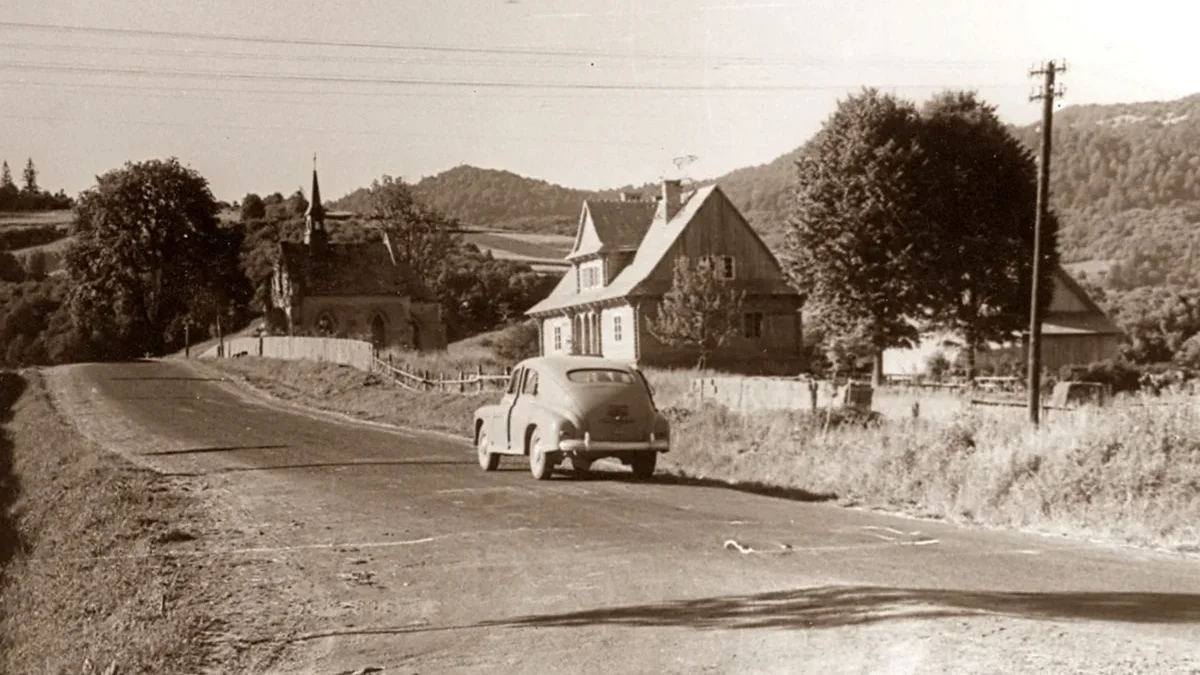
column 462, row 381
column 479, row 377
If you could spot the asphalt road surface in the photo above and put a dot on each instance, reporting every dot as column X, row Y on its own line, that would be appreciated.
column 393, row 549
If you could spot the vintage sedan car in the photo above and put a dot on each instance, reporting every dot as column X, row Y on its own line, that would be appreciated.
column 580, row 408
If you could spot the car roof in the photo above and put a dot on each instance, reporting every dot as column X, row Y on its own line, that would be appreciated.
column 563, row 362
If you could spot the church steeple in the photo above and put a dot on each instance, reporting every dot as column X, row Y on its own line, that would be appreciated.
column 314, row 217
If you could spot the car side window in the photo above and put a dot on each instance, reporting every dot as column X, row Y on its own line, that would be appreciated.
column 531, row 383
column 514, row 381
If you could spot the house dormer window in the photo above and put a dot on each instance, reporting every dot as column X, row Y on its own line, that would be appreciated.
column 590, row 275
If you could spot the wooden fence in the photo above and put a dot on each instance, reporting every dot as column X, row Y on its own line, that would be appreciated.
column 462, row 382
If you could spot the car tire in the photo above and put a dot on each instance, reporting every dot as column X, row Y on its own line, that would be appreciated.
column 582, row 467
column 643, row 464
column 488, row 461
column 541, row 463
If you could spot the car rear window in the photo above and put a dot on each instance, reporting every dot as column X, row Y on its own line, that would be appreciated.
column 599, row 376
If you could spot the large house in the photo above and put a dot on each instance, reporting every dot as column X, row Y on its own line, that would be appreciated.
column 351, row 290
column 622, row 264
column 1075, row 331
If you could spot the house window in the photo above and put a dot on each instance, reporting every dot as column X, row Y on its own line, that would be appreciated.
column 752, row 324
column 558, row 338
column 725, row 267
column 591, row 277
column 616, row 329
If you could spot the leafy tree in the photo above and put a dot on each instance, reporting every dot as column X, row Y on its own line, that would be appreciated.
column 253, row 208
column 30, row 177
column 982, row 198
column 701, row 311
column 11, row 269
column 422, row 237
column 858, row 241
column 297, row 204
column 148, row 253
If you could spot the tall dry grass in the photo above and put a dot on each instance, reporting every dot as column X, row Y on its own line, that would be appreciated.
column 1129, row 472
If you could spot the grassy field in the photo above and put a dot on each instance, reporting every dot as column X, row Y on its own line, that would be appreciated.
column 35, row 218
column 74, row 523
column 521, row 246
column 1128, row 473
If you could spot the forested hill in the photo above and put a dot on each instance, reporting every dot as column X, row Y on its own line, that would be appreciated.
column 493, row 198
column 1118, row 171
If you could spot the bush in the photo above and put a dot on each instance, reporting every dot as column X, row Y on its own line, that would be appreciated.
column 1119, row 375
column 516, row 342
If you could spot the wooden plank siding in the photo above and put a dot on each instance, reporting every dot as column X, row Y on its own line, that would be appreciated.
column 718, row 229
column 777, row 351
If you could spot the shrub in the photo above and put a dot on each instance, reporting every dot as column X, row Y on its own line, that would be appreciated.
column 1119, row 375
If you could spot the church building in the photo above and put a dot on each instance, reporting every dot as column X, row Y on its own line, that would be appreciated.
column 362, row 291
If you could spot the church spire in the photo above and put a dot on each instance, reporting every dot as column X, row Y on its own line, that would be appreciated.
column 314, row 217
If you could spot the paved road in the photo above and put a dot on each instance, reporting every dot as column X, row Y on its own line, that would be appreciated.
column 453, row 570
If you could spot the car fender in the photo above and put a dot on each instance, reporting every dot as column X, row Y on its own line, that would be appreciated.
column 549, row 419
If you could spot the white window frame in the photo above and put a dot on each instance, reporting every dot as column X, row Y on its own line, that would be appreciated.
column 617, row 328
column 558, row 338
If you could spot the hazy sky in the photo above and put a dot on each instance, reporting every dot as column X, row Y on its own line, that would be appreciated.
column 631, row 85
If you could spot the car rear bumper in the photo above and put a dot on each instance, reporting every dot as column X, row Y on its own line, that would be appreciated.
column 588, row 445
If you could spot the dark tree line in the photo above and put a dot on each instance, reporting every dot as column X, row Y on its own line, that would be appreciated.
column 28, row 196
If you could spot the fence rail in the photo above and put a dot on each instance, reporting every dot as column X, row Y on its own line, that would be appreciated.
column 463, row 381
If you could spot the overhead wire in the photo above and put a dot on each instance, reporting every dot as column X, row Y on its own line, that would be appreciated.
column 493, row 51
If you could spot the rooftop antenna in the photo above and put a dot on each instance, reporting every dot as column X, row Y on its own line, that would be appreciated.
column 680, row 163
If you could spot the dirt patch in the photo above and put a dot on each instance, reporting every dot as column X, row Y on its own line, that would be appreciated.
column 98, row 555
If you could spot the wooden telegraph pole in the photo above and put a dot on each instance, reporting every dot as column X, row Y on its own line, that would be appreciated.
column 1046, row 96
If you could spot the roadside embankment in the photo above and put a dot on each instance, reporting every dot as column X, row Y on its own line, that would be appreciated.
column 82, row 578
column 1126, row 473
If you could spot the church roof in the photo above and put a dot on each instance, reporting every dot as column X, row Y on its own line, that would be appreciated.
column 348, row 269
column 316, row 210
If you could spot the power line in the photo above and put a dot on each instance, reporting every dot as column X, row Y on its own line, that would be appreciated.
column 493, row 51
column 351, row 132
column 433, row 82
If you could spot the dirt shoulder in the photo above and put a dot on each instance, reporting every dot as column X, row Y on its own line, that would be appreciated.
column 104, row 560
column 87, row 538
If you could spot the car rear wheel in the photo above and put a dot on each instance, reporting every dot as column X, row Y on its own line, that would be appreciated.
column 643, row 464
column 487, row 460
column 541, row 463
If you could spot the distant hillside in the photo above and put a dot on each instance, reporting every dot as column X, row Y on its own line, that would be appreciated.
column 498, row 199
column 1123, row 175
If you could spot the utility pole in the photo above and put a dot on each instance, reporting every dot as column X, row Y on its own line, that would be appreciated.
column 1046, row 96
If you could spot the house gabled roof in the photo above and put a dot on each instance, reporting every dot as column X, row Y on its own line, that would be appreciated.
column 617, row 225
column 660, row 236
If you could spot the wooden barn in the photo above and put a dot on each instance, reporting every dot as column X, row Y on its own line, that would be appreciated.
column 622, row 263
column 1075, row 331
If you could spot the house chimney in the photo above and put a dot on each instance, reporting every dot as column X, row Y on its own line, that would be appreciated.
column 670, row 197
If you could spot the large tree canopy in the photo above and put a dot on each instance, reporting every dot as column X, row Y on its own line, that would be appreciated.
column 858, row 243
column 907, row 220
column 982, row 196
column 149, row 255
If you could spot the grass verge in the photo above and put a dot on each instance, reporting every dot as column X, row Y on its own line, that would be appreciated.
column 80, row 529
column 1127, row 473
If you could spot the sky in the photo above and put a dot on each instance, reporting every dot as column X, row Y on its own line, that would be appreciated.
column 589, row 94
